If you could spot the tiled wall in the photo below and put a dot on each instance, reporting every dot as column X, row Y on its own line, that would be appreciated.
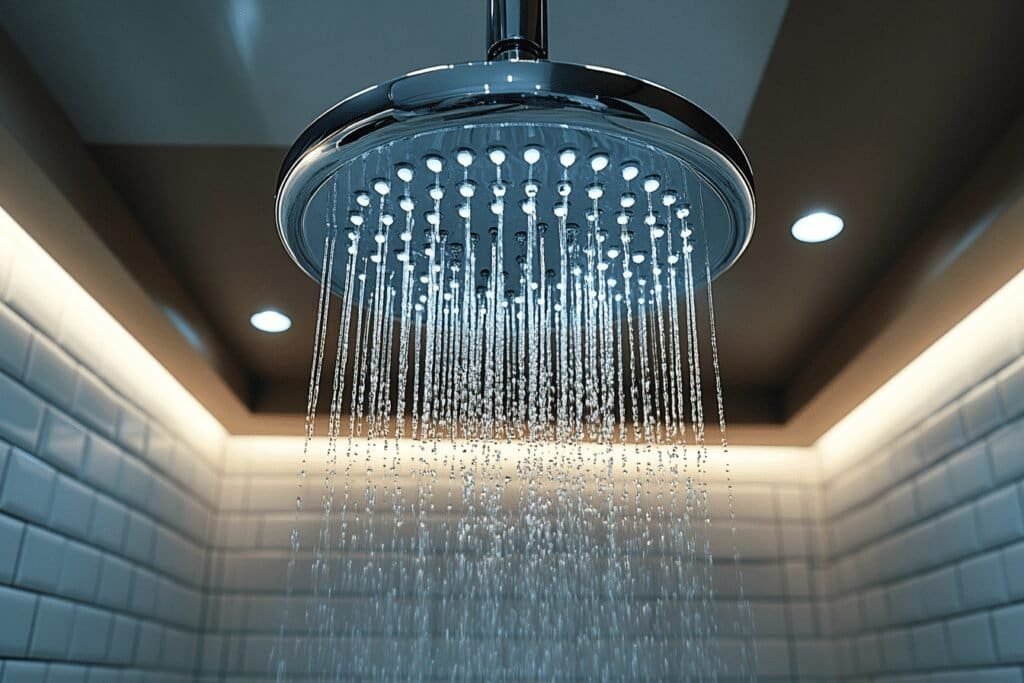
column 106, row 496
column 776, row 530
column 927, row 543
column 136, row 546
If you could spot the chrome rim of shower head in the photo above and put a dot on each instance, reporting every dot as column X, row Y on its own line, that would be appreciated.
column 508, row 94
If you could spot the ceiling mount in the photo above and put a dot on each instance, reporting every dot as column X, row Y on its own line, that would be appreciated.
column 518, row 29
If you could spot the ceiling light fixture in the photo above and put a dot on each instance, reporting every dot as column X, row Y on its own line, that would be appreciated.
column 270, row 320
column 820, row 226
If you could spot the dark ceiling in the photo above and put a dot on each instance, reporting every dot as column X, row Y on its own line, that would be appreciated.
column 877, row 111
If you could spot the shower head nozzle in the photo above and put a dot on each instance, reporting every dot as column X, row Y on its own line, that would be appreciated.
column 475, row 153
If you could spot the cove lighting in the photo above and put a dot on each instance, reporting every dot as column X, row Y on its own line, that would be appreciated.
column 270, row 320
column 820, row 226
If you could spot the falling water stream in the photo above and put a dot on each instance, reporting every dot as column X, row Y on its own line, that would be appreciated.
column 515, row 481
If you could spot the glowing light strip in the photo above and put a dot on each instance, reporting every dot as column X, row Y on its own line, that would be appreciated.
column 97, row 340
column 989, row 338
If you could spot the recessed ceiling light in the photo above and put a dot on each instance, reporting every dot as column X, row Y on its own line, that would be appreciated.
column 819, row 226
column 270, row 320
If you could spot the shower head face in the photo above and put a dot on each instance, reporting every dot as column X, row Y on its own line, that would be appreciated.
column 502, row 176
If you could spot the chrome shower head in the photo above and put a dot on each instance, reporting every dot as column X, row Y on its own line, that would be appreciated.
column 437, row 168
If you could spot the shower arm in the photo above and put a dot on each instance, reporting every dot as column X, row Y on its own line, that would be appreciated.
column 517, row 29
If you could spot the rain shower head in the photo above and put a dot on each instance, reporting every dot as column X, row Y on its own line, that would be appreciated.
column 436, row 169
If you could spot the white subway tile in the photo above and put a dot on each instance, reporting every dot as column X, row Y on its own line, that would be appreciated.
column 843, row 651
column 970, row 640
column 189, row 609
column 122, row 640
column 814, row 658
column 17, row 337
column 801, row 619
column 132, row 430
column 178, row 650
column 139, row 538
column 147, row 650
column 62, row 443
column 207, row 484
column 905, row 460
column 96, row 405
column 841, row 492
column 752, row 539
column 164, row 499
column 932, row 490
column 115, row 583
column 144, row 589
column 904, row 606
column 11, row 532
column 940, row 435
column 51, row 632
column 893, row 559
column 102, row 467
column 931, row 648
column 42, row 555
column 174, row 555
column 109, row 519
column 91, row 634
column 160, row 448
column 791, row 503
column 233, row 491
column 1013, row 566
column 1007, row 449
column 71, row 510
column 278, row 495
column 1009, row 627
column 136, row 483
column 183, row 469
column 25, row 672
column 171, row 603
column 8, row 252
column 27, row 487
column 999, row 517
column 797, row 579
column 794, row 539
column 51, row 372
column 80, row 572
column 956, row 534
column 970, row 473
column 1011, row 389
column 921, row 547
column 899, row 505
column 844, row 574
column 773, row 657
column 875, row 608
column 846, row 616
column 982, row 581
column 896, row 650
column 981, row 410
column 212, row 653
column 937, row 592
column 36, row 296
column 21, row 414
column 749, row 500
column 823, row 610
column 868, row 652
column 67, row 673
column 240, row 531
column 17, row 608
column 196, row 518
